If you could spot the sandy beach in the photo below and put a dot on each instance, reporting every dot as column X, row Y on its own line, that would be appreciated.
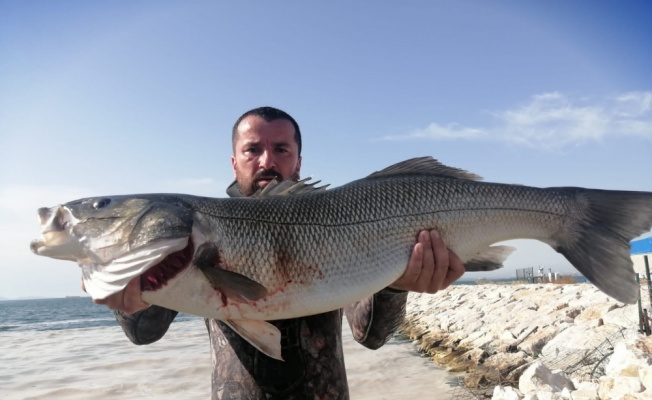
column 487, row 334
column 101, row 363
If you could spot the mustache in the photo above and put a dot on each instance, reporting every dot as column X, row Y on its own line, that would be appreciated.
column 268, row 174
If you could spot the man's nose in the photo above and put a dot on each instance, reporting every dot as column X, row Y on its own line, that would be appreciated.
column 266, row 160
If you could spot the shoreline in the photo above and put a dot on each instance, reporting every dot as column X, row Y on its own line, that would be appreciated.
column 493, row 333
column 68, row 363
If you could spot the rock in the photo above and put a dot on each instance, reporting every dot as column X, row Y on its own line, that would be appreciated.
column 584, row 395
column 493, row 331
column 505, row 393
column 586, row 390
column 595, row 312
column 632, row 359
column 588, row 296
column 538, row 378
column 495, row 368
column 573, row 312
column 618, row 387
column 475, row 356
column 535, row 342
column 464, row 338
column 576, row 338
column 626, row 317
column 507, row 336
column 543, row 395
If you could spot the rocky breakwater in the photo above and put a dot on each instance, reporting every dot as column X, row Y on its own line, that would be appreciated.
column 534, row 341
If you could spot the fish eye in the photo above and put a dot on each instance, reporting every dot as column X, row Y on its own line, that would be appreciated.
column 101, row 203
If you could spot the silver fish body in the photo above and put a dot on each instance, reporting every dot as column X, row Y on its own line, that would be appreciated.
column 281, row 255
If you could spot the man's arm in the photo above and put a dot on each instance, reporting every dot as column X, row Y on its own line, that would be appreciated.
column 147, row 326
column 142, row 323
column 431, row 267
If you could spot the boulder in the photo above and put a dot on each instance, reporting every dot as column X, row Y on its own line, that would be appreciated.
column 505, row 393
column 538, row 378
column 619, row 387
column 595, row 312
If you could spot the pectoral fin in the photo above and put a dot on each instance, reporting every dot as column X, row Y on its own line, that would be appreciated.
column 261, row 334
column 231, row 284
column 489, row 259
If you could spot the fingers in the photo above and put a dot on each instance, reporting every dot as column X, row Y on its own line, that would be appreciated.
column 440, row 264
column 455, row 270
column 128, row 300
column 432, row 267
column 416, row 277
column 425, row 269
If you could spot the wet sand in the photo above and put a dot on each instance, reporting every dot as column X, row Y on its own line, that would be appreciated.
column 101, row 363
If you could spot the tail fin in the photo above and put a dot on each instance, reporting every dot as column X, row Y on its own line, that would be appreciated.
column 602, row 252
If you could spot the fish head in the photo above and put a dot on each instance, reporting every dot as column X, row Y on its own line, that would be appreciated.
column 114, row 238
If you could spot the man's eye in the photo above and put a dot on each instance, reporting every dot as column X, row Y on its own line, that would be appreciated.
column 281, row 150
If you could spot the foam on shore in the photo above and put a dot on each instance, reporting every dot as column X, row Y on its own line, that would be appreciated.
column 100, row 363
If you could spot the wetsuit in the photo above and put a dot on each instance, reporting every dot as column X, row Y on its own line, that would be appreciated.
column 313, row 366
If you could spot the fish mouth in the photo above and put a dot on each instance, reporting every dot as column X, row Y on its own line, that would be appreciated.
column 160, row 274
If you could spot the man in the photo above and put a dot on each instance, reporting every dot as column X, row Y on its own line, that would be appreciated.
column 267, row 146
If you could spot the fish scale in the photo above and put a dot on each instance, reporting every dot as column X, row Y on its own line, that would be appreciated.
column 297, row 250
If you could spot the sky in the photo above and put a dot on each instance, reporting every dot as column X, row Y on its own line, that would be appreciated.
column 101, row 98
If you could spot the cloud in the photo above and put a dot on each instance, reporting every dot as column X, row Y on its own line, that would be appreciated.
column 634, row 104
column 435, row 131
column 554, row 120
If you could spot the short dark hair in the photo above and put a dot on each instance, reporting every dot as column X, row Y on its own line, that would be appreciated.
column 269, row 114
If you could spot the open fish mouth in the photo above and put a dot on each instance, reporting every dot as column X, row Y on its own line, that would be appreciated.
column 160, row 274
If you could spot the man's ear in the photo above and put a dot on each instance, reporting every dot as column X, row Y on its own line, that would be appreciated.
column 298, row 169
column 233, row 165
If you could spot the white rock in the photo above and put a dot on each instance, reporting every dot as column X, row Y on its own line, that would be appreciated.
column 625, row 317
column 586, row 390
column 595, row 312
column 618, row 387
column 505, row 393
column 538, row 378
column 566, row 394
column 576, row 338
column 629, row 360
column 533, row 344
column 588, row 386
column 542, row 395
column 584, row 395
column 507, row 335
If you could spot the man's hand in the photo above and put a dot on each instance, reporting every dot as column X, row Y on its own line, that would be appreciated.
column 128, row 300
column 432, row 267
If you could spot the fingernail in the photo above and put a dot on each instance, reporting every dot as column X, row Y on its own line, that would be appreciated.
column 435, row 234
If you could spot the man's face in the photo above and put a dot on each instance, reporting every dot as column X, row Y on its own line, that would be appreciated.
column 264, row 151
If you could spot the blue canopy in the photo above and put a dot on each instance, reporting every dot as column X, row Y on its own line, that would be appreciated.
column 642, row 246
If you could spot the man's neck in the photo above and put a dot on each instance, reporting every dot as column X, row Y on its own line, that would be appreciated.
column 234, row 190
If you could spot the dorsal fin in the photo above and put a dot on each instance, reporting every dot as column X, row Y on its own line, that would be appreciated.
column 424, row 166
column 289, row 188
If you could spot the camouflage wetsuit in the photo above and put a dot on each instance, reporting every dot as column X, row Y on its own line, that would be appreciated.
column 313, row 366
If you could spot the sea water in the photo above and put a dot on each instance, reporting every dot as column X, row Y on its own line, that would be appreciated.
column 70, row 348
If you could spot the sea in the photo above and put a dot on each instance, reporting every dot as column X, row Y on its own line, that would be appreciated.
column 80, row 312
column 58, row 314
column 71, row 349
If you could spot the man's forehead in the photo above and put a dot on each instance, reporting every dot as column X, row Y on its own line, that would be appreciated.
column 256, row 130
column 258, row 139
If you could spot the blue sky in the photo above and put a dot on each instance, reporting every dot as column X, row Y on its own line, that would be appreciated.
column 121, row 97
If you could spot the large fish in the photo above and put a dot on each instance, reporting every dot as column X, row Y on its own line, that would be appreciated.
column 297, row 250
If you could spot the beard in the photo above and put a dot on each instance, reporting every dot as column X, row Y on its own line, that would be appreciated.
column 249, row 188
